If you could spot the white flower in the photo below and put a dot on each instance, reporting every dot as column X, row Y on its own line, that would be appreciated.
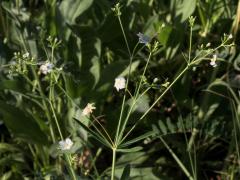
column 120, row 83
column 88, row 109
column 230, row 36
column 46, row 68
column 65, row 144
column 213, row 61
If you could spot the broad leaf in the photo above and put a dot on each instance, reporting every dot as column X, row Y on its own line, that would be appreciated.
column 186, row 9
column 22, row 125
column 71, row 9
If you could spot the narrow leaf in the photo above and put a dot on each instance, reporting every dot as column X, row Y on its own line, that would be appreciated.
column 139, row 138
column 126, row 173
column 135, row 149
column 95, row 135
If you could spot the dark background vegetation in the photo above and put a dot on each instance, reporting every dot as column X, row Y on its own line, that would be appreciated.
column 93, row 53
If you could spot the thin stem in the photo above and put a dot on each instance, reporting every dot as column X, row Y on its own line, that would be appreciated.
column 135, row 100
column 235, row 132
column 159, row 98
column 130, row 67
column 124, row 35
column 144, row 71
column 165, row 91
column 122, row 139
column 186, row 138
column 94, row 160
column 176, row 159
column 190, row 45
column 39, row 85
column 105, row 131
column 56, row 120
column 73, row 175
column 36, row 161
column 113, row 163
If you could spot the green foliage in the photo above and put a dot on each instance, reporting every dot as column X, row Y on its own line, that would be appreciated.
column 21, row 125
column 176, row 118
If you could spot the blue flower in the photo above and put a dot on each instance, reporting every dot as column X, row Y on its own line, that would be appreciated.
column 143, row 38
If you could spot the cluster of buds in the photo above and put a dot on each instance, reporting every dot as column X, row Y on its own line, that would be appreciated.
column 20, row 62
column 117, row 10
column 53, row 42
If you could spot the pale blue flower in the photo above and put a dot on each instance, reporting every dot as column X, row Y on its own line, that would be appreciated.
column 143, row 38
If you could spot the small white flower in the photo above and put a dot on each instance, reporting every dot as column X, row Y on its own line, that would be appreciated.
column 65, row 144
column 88, row 109
column 46, row 68
column 120, row 83
column 230, row 36
column 213, row 61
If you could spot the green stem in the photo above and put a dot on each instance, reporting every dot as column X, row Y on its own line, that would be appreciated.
column 71, row 170
column 56, row 120
column 124, row 35
column 39, row 87
column 176, row 159
column 51, row 101
column 113, row 163
column 190, row 45
column 158, row 99
column 134, row 101
column 130, row 66
column 165, row 91
column 186, row 139
column 122, row 139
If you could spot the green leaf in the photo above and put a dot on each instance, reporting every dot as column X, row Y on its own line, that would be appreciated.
column 139, row 138
column 186, row 9
column 21, row 125
column 141, row 104
column 94, row 134
column 113, row 70
column 12, row 85
column 126, row 173
column 164, row 35
column 134, row 149
column 95, row 69
column 162, row 126
column 133, row 68
column 5, row 147
column 6, row 175
column 71, row 9
column 155, row 129
column 170, row 125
